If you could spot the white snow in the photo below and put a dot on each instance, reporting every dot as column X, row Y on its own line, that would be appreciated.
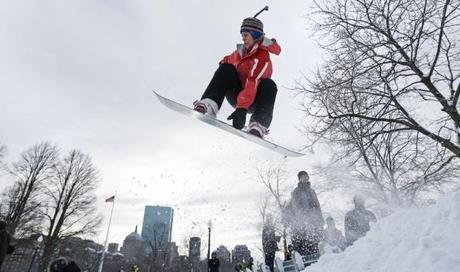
column 417, row 239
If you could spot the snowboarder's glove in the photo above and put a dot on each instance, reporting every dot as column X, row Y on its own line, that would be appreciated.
column 238, row 117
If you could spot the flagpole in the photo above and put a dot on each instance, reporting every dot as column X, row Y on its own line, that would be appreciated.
column 106, row 237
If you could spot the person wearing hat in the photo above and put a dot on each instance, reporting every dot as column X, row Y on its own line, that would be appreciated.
column 213, row 263
column 269, row 241
column 304, row 217
column 333, row 236
column 244, row 79
column 357, row 221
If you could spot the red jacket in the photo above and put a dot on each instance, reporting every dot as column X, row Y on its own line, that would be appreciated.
column 252, row 66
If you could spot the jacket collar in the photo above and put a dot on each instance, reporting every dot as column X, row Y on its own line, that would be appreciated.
column 244, row 52
column 265, row 44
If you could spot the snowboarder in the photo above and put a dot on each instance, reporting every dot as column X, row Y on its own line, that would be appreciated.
column 269, row 242
column 333, row 236
column 243, row 77
column 303, row 214
column 213, row 263
column 357, row 221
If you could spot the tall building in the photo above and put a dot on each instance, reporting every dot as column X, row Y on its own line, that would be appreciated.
column 240, row 253
column 223, row 254
column 157, row 227
column 194, row 248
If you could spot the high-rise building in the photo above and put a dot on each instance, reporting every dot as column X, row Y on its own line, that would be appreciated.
column 223, row 254
column 194, row 248
column 157, row 227
column 240, row 253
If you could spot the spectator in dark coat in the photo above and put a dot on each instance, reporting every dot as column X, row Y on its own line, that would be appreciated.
column 290, row 253
column 213, row 263
column 357, row 221
column 303, row 215
column 238, row 267
column 72, row 267
column 5, row 240
column 251, row 263
column 333, row 236
column 61, row 264
column 269, row 242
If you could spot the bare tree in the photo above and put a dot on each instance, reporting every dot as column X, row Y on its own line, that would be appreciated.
column 2, row 152
column 274, row 179
column 394, row 168
column 395, row 63
column 387, row 95
column 3, row 167
column 160, row 247
column 70, row 209
column 20, row 202
column 264, row 208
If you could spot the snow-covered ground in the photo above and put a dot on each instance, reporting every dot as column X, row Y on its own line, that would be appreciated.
column 424, row 239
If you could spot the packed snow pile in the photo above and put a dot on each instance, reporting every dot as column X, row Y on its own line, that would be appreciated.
column 423, row 239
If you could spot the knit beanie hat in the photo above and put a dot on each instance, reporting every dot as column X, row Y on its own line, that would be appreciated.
column 253, row 25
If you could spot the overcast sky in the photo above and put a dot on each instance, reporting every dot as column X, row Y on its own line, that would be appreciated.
column 80, row 74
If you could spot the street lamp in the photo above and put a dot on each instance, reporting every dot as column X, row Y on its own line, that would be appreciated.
column 37, row 247
column 209, row 240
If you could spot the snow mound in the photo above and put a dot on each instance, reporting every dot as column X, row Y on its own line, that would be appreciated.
column 422, row 239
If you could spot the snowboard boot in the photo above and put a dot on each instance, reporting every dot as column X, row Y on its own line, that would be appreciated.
column 256, row 129
column 206, row 106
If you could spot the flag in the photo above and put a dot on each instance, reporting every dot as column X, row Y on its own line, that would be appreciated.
column 110, row 199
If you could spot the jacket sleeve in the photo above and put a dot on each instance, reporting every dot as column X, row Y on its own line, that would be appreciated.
column 229, row 58
column 248, row 94
column 318, row 208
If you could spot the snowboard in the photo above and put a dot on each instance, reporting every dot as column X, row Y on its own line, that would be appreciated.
column 175, row 106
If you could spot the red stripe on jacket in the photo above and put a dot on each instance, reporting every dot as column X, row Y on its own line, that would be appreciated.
column 252, row 67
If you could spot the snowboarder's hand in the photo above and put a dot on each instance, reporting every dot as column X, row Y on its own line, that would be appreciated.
column 238, row 117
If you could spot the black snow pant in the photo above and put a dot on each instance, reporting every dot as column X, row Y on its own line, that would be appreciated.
column 270, row 260
column 226, row 84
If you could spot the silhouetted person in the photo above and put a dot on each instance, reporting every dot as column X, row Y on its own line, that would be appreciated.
column 238, row 267
column 333, row 236
column 357, row 221
column 213, row 263
column 269, row 242
column 61, row 264
column 303, row 214
column 5, row 240
column 290, row 253
column 250, row 263
column 72, row 267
